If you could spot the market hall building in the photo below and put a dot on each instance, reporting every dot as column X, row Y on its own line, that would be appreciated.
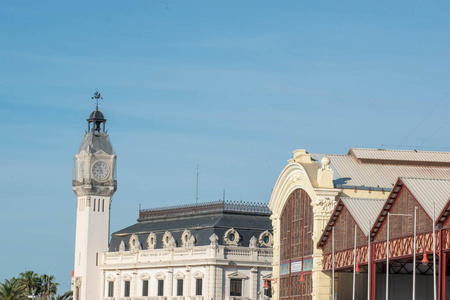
column 317, row 194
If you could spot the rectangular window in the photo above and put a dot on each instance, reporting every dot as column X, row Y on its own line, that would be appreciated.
column 235, row 287
column 160, row 287
column 180, row 287
column 198, row 287
column 94, row 203
column 126, row 292
column 145, row 288
column 110, row 288
column 103, row 205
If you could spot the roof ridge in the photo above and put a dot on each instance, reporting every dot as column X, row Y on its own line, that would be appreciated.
column 358, row 198
column 399, row 150
column 425, row 178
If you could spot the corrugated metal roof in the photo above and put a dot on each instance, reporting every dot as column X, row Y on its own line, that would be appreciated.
column 349, row 172
column 428, row 191
column 364, row 210
column 401, row 155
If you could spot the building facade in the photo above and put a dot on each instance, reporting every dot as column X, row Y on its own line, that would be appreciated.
column 305, row 197
column 215, row 251
column 218, row 250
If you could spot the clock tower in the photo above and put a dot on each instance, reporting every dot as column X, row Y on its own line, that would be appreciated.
column 94, row 183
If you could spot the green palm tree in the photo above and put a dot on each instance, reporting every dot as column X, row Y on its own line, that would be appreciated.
column 65, row 296
column 31, row 282
column 48, row 285
column 11, row 290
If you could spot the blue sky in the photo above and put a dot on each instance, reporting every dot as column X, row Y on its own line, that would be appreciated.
column 233, row 86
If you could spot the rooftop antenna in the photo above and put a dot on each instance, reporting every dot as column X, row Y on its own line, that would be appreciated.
column 97, row 96
column 196, row 189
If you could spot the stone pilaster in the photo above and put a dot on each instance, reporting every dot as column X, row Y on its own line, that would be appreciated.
column 169, row 288
column 219, row 278
column 323, row 206
column 253, row 283
column 188, row 282
column 117, row 285
column 102, row 292
column 134, row 284
column 212, row 282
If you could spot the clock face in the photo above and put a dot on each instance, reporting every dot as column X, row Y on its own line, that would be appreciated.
column 100, row 170
column 82, row 169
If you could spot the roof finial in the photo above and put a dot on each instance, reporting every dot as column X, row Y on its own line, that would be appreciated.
column 96, row 97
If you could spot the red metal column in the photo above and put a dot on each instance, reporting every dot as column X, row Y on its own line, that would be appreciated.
column 290, row 247
column 303, row 240
column 373, row 273
column 442, row 267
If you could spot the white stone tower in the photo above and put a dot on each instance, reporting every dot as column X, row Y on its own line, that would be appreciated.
column 94, row 183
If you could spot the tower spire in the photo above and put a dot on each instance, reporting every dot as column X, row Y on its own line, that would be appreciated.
column 97, row 96
column 96, row 118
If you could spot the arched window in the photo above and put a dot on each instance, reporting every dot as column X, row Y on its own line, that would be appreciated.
column 296, row 247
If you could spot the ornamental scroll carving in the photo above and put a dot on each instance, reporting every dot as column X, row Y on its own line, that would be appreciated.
column 295, row 176
column 323, row 207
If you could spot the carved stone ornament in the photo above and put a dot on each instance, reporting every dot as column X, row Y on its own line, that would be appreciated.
column 325, row 174
column 110, row 278
column 166, row 238
column 185, row 237
column 179, row 275
column 323, row 206
column 231, row 237
column 214, row 238
column 198, row 275
column 151, row 240
column 266, row 239
column 296, row 176
column 191, row 242
column 252, row 243
column 171, row 246
column 126, row 277
column 135, row 245
column 122, row 246
column 78, row 281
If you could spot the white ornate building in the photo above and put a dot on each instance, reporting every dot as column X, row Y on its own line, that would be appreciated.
column 213, row 251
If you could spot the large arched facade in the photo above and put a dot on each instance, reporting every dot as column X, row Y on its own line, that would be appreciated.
column 296, row 247
column 303, row 187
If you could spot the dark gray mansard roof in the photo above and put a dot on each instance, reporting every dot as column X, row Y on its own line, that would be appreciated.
column 202, row 220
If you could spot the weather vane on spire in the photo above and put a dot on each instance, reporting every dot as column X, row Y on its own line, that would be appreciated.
column 97, row 96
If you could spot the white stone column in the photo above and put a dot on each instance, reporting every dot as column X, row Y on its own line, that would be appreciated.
column 117, row 286
column 169, row 287
column 188, row 282
column 134, row 284
column 212, row 282
column 253, row 291
column 102, row 292
column 219, row 279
